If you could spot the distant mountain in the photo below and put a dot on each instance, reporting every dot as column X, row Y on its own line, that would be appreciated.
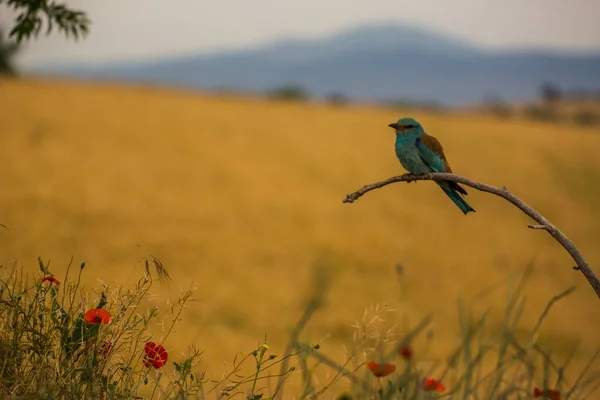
column 384, row 62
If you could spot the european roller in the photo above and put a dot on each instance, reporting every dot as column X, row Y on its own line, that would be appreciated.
column 420, row 153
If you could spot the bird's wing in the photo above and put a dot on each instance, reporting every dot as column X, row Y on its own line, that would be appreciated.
column 432, row 154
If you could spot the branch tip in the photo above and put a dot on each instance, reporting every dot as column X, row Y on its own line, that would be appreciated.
column 532, row 226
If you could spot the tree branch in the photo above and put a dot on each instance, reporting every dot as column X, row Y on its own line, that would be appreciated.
column 543, row 223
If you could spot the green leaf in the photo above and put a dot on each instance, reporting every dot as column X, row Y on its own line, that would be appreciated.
column 41, row 264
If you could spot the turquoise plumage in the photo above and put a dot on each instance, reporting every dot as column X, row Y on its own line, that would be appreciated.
column 420, row 153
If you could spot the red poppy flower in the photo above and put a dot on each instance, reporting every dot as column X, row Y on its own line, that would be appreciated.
column 433, row 384
column 380, row 370
column 105, row 348
column 97, row 316
column 548, row 393
column 51, row 279
column 156, row 355
column 406, row 352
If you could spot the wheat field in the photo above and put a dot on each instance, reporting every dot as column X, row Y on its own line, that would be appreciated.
column 241, row 196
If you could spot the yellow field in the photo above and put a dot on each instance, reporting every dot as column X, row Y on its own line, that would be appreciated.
column 242, row 196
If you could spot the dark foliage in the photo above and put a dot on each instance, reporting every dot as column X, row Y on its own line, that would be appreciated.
column 32, row 13
column 289, row 92
column 8, row 50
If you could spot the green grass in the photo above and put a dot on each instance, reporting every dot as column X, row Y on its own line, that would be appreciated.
column 51, row 349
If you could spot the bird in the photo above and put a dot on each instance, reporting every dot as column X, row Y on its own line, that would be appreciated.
column 420, row 153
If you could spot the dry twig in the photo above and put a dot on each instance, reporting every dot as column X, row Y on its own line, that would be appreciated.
column 542, row 222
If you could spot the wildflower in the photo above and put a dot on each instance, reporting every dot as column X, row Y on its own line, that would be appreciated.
column 106, row 347
column 156, row 355
column 380, row 370
column 51, row 279
column 406, row 352
column 97, row 316
column 547, row 393
column 433, row 384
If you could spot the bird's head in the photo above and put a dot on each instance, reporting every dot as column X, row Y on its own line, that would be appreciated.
column 406, row 125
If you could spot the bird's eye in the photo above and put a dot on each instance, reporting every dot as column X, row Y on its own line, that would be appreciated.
column 409, row 126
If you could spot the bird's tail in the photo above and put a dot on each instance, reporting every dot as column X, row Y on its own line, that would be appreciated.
column 456, row 198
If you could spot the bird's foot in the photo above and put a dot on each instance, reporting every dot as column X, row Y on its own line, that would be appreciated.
column 408, row 175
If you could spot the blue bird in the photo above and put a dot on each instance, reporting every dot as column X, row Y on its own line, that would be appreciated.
column 420, row 154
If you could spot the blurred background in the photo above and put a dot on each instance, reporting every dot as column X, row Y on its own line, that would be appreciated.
column 221, row 137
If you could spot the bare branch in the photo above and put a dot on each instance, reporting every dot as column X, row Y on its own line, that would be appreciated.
column 543, row 223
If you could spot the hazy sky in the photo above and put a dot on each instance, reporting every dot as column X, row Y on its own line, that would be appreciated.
column 133, row 29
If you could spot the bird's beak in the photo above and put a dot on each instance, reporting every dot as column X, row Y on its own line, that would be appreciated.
column 396, row 126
